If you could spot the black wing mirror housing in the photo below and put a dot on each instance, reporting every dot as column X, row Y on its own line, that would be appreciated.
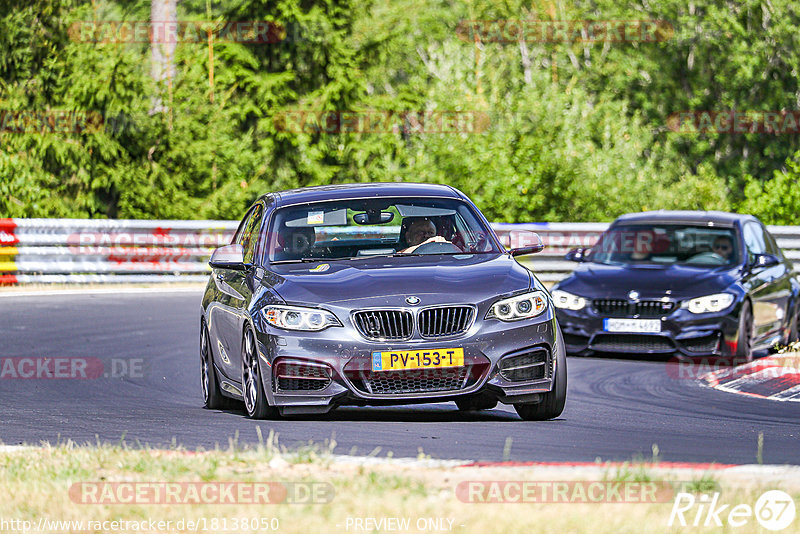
column 531, row 243
column 576, row 254
column 765, row 260
column 228, row 257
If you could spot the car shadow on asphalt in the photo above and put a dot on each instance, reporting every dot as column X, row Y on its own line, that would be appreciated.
column 397, row 414
column 670, row 358
column 410, row 414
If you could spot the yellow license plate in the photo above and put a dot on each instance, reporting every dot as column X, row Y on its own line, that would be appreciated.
column 400, row 360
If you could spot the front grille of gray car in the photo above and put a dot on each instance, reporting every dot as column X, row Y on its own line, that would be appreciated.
column 531, row 365
column 444, row 321
column 414, row 381
column 384, row 325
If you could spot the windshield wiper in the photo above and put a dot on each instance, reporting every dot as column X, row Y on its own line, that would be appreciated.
column 392, row 255
column 306, row 260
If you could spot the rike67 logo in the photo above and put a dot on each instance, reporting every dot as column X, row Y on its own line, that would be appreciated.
column 774, row 510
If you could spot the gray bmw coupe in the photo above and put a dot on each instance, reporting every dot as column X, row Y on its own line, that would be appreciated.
column 376, row 294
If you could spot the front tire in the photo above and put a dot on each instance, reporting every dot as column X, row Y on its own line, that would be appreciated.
column 794, row 328
column 255, row 401
column 212, row 396
column 744, row 343
column 552, row 403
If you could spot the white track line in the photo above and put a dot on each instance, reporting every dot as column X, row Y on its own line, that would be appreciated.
column 103, row 291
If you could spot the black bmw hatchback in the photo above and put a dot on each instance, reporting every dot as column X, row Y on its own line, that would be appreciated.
column 684, row 282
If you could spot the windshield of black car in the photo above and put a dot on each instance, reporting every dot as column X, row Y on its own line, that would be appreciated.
column 666, row 244
column 361, row 228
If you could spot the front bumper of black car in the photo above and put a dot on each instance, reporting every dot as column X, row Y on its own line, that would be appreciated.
column 682, row 332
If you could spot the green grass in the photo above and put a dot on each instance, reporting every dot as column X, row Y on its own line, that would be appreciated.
column 35, row 483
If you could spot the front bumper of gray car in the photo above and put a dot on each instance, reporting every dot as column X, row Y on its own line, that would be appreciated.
column 313, row 372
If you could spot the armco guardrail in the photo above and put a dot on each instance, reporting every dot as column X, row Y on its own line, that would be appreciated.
column 102, row 251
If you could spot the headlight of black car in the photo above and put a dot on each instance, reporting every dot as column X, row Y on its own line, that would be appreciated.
column 568, row 301
column 299, row 318
column 709, row 303
column 520, row 307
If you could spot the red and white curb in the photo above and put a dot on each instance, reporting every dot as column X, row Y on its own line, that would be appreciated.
column 774, row 377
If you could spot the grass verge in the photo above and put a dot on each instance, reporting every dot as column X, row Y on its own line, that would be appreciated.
column 48, row 484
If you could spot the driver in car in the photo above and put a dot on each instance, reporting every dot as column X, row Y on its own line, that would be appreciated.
column 420, row 232
column 296, row 242
column 723, row 246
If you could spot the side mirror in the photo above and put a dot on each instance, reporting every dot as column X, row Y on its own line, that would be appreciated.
column 527, row 243
column 576, row 254
column 228, row 257
column 765, row 260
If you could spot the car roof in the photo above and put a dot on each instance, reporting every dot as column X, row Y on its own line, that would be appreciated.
column 676, row 216
column 363, row 190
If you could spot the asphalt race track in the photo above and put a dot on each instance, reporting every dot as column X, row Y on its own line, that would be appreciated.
column 616, row 409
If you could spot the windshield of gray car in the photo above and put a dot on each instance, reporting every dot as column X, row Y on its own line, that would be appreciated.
column 362, row 228
column 699, row 245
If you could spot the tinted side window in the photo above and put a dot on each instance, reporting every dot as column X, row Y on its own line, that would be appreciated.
column 754, row 240
column 772, row 245
column 239, row 235
column 250, row 233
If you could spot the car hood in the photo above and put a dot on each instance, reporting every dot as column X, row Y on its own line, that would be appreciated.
column 650, row 281
column 387, row 281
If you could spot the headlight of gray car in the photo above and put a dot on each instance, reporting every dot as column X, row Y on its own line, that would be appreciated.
column 520, row 307
column 299, row 318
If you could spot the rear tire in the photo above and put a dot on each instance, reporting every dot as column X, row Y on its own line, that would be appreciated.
column 255, row 401
column 744, row 343
column 552, row 402
column 212, row 396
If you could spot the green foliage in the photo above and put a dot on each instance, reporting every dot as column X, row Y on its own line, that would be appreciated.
column 577, row 130
column 776, row 201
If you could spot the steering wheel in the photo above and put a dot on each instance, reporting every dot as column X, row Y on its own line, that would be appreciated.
column 479, row 245
column 436, row 247
column 711, row 258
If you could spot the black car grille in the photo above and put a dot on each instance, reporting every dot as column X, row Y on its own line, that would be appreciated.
column 381, row 325
column 301, row 384
column 444, row 321
column 413, row 381
column 701, row 344
column 631, row 343
column 293, row 376
column 528, row 366
column 575, row 340
column 624, row 308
